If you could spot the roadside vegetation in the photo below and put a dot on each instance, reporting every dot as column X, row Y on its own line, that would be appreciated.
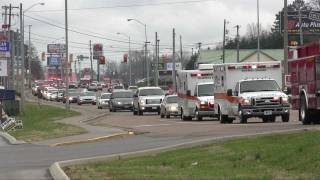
column 286, row 156
column 39, row 123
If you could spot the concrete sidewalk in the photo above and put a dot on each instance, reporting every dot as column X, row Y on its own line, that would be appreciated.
column 94, row 132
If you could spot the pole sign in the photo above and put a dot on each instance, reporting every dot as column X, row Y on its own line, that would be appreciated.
column 4, row 48
column 53, row 61
column 97, row 51
column 170, row 66
column 7, row 94
column 3, row 68
column 56, row 48
column 310, row 22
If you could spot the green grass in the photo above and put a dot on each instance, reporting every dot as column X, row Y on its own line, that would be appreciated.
column 39, row 123
column 289, row 156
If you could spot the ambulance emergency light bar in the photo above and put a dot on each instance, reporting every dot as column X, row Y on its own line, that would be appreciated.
column 248, row 67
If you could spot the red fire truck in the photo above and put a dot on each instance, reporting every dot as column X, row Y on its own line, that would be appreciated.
column 304, row 69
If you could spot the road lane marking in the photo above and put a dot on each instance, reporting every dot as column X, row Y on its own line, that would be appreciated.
column 152, row 125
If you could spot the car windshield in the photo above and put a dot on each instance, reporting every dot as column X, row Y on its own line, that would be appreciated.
column 73, row 94
column 92, row 84
column 132, row 87
column 122, row 95
column 53, row 91
column 205, row 90
column 118, row 87
column 151, row 92
column 258, row 86
column 173, row 99
column 105, row 96
column 88, row 94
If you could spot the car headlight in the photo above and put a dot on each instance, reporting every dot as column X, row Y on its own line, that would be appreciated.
column 70, row 98
column 142, row 102
column 203, row 103
column 246, row 102
column 285, row 100
column 119, row 103
column 173, row 108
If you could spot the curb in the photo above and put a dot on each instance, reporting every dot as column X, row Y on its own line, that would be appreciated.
column 58, row 173
column 12, row 140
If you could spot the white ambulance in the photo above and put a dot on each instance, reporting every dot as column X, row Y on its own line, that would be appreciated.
column 250, row 90
column 195, row 92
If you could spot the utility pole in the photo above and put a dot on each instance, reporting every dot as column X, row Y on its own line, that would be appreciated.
column 98, row 70
column 224, row 42
column 285, row 38
column 238, row 43
column 10, row 79
column 157, row 62
column 181, row 53
column 130, row 63
column 29, row 57
column 91, row 63
column 174, row 62
column 22, row 60
column 67, row 55
column 301, row 30
column 258, row 26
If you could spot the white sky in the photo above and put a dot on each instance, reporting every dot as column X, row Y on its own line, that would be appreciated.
column 195, row 22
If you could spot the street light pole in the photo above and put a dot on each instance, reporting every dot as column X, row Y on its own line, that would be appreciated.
column 145, row 48
column 258, row 25
column 29, row 57
column 285, row 38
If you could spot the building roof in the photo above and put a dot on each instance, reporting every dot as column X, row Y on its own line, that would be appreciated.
column 215, row 56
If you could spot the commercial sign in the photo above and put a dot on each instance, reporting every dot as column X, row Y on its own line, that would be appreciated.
column 4, row 49
column 56, row 48
column 170, row 66
column 97, row 51
column 310, row 22
column 53, row 61
column 7, row 94
column 3, row 68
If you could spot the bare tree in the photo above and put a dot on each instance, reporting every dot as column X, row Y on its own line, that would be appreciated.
column 315, row 4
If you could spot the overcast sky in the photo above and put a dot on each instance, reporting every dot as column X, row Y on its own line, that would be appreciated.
column 196, row 22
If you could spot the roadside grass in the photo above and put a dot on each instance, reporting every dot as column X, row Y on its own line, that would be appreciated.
column 279, row 156
column 39, row 123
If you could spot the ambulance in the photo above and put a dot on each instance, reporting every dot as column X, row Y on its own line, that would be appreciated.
column 250, row 90
column 195, row 92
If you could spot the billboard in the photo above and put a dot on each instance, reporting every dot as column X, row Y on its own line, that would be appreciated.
column 56, row 48
column 310, row 22
column 97, row 51
column 53, row 61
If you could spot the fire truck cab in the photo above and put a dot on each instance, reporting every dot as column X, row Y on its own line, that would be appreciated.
column 304, row 70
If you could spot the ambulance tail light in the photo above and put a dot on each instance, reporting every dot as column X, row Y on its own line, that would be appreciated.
column 276, row 66
column 231, row 67
column 261, row 66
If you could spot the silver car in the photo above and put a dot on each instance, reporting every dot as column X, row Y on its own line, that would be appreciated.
column 121, row 100
column 104, row 100
column 169, row 106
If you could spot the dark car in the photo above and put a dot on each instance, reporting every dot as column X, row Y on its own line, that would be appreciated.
column 121, row 100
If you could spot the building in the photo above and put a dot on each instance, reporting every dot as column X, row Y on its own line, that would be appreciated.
column 245, row 55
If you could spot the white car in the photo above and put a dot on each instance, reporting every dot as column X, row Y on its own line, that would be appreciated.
column 104, row 100
column 49, row 92
column 147, row 99
column 87, row 98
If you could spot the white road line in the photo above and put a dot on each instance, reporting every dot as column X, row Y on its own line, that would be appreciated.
column 152, row 125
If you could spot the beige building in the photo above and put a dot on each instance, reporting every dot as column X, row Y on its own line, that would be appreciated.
column 245, row 55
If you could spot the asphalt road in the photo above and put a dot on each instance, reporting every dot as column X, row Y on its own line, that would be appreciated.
column 31, row 161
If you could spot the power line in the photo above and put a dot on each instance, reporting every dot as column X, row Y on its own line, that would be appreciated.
column 78, row 32
column 129, row 6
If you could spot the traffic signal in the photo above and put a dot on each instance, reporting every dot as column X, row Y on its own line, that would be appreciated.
column 125, row 58
column 43, row 56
